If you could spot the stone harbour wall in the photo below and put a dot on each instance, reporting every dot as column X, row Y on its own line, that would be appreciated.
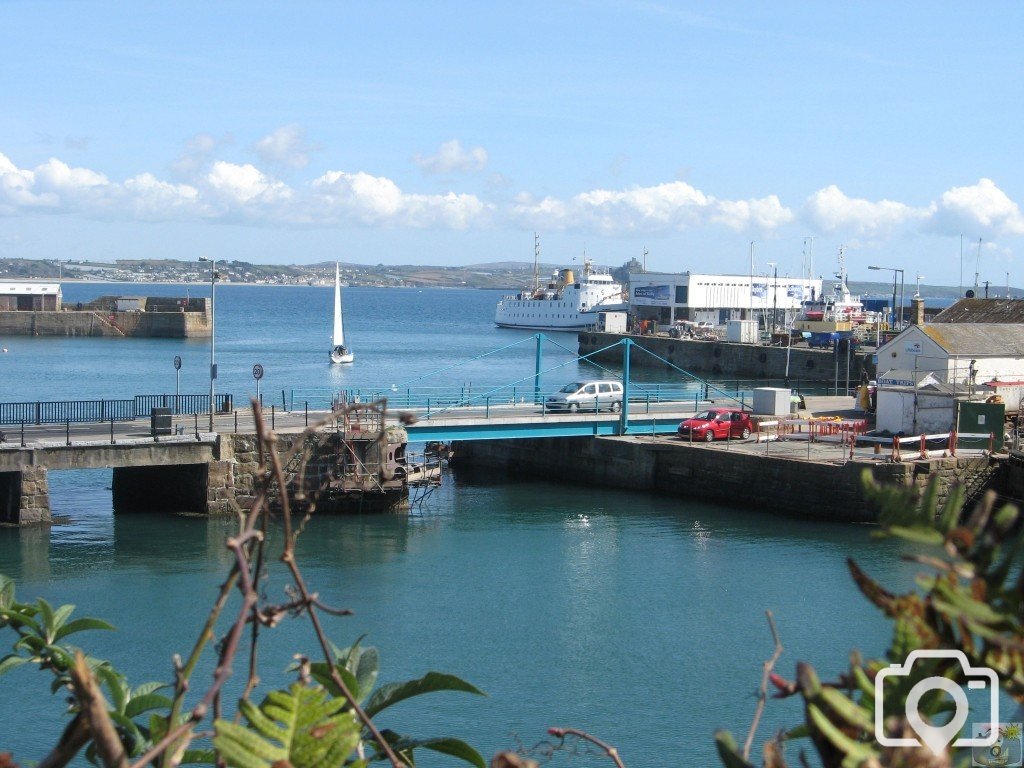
column 177, row 325
column 806, row 488
column 724, row 360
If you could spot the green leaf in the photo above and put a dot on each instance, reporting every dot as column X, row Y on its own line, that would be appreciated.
column 854, row 749
column 392, row 693
column 846, row 709
column 198, row 756
column 455, row 748
column 366, row 668
column 11, row 661
column 242, row 748
column 301, row 725
column 927, row 536
column 46, row 611
column 6, row 592
column 116, row 686
column 132, row 730
column 61, row 615
column 320, row 672
column 22, row 616
column 729, row 751
column 149, row 701
column 79, row 625
column 146, row 688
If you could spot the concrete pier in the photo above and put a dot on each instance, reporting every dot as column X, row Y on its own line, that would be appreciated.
column 162, row 318
column 828, row 490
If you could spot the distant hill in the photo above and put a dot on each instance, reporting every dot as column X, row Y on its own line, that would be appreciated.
column 504, row 275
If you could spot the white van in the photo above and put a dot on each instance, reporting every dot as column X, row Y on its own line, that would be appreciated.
column 587, row 396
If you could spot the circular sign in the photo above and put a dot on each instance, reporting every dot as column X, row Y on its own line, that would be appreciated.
column 177, row 362
column 257, row 371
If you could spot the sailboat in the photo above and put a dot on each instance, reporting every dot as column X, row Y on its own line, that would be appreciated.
column 339, row 352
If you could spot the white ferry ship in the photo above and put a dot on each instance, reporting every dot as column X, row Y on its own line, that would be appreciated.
column 566, row 304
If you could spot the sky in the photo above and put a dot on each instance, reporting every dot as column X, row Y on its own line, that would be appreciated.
column 448, row 133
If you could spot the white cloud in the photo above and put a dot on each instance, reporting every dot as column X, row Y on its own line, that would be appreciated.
column 197, row 154
column 372, row 200
column 246, row 193
column 669, row 206
column 153, row 200
column 981, row 208
column 766, row 213
column 245, row 184
column 285, row 148
column 829, row 210
column 451, row 157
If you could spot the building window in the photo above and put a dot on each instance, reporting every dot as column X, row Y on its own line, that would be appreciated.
column 682, row 294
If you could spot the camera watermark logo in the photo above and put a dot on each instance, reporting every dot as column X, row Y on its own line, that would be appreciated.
column 938, row 737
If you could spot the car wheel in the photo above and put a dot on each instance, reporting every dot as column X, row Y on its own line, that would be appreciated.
column 574, row 407
column 709, row 436
column 616, row 405
column 746, row 433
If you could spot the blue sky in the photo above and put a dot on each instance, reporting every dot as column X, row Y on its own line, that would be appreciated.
column 448, row 133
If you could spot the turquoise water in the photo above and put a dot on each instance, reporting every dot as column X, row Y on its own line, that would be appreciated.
column 636, row 617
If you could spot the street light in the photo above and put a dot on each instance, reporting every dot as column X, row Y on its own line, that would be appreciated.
column 894, row 273
column 213, row 329
column 775, row 295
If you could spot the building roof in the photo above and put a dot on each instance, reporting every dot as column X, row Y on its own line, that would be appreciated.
column 28, row 289
column 983, row 339
column 983, row 311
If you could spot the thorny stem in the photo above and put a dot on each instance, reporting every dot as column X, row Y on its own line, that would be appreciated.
column 94, row 707
column 607, row 748
column 75, row 736
column 762, row 695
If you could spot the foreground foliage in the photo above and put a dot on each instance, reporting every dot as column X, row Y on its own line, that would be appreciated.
column 324, row 718
column 970, row 599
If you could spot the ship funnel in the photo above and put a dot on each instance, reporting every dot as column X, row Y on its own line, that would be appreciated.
column 567, row 277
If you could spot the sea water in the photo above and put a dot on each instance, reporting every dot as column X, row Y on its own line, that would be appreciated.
column 636, row 617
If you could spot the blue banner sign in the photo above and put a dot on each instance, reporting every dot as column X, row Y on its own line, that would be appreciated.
column 648, row 294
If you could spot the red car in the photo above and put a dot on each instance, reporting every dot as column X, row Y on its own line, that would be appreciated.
column 716, row 424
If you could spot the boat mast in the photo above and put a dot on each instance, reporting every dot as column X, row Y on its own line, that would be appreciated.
column 977, row 267
column 536, row 259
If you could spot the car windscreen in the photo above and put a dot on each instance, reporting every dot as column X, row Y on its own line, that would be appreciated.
column 705, row 416
column 570, row 388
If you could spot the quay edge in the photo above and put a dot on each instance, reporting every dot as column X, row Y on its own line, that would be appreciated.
column 722, row 359
column 816, row 489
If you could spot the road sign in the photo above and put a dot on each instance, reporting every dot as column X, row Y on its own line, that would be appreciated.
column 177, row 362
column 257, row 371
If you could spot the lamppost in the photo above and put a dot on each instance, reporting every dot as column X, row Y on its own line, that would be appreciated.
column 213, row 329
column 895, row 271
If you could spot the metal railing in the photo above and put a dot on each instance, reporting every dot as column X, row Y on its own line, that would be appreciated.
column 79, row 411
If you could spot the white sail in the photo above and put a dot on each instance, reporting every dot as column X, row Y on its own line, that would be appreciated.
column 338, row 339
column 339, row 352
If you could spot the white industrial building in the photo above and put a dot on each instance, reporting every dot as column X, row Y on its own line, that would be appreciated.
column 666, row 297
column 925, row 370
column 16, row 296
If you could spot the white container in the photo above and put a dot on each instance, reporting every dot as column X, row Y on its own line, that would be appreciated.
column 742, row 332
column 611, row 322
column 772, row 401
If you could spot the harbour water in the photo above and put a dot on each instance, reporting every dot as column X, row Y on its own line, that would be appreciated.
column 635, row 617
